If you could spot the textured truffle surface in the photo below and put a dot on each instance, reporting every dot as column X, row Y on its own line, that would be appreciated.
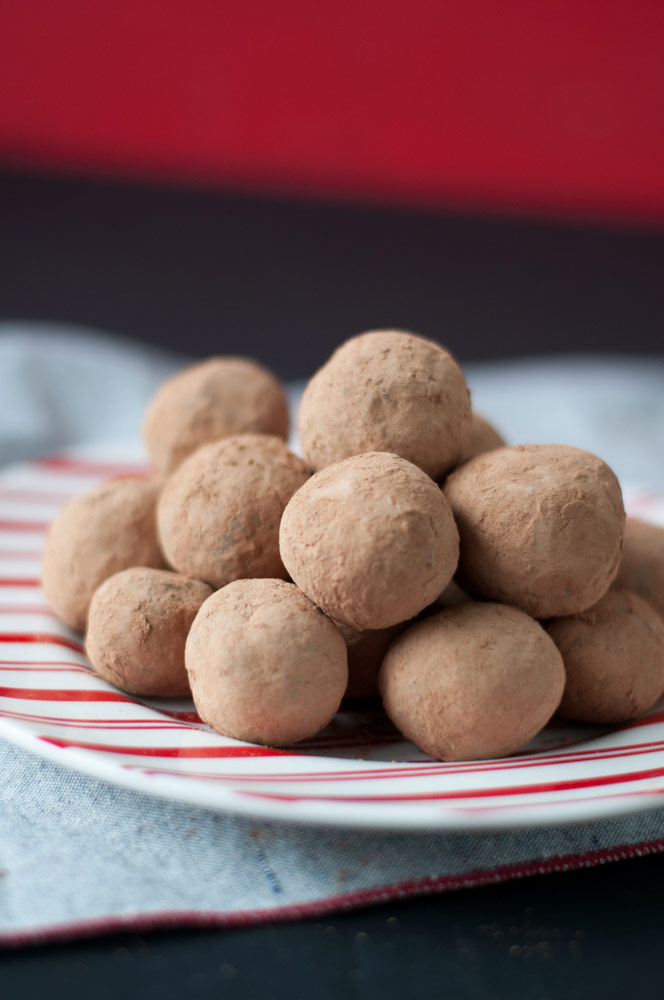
column 219, row 513
column 137, row 626
column 541, row 527
column 475, row 681
column 614, row 658
column 642, row 566
column 450, row 597
column 366, row 651
column 211, row 400
column 482, row 437
column 94, row 536
column 265, row 664
column 387, row 390
column 371, row 540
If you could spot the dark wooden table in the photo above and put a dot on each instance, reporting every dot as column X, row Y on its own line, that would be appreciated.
column 594, row 933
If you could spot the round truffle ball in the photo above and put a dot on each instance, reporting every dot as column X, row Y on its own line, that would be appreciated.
column 614, row 658
column 541, row 527
column 366, row 651
column 95, row 535
column 211, row 400
column 642, row 566
column 450, row 597
column 475, row 681
column 482, row 437
column 265, row 665
column 137, row 626
column 371, row 540
column 387, row 390
column 219, row 513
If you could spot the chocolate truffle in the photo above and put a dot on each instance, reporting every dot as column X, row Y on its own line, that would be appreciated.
column 475, row 681
column 219, row 513
column 387, row 390
column 265, row 664
column 541, row 527
column 94, row 536
column 137, row 626
column 642, row 566
column 614, row 658
column 211, row 400
column 371, row 540
column 366, row 651
column 482, row 437
column 450, row 597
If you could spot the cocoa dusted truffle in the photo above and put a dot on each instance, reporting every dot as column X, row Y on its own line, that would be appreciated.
column 541, row 527
column 137, row 626
column 482, row 437
column 642, row 567
column 450, row 597
column 371, row 540
column 94, row 536
column 475, row 681
column 219, row 513
column 614, row 659
column 211, row 400
column 366, row 651
column 265, row 664
column 387, row 390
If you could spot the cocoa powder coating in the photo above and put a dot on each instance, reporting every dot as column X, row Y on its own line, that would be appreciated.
column 541, row 527
column 265, row 665
column 97, row 534
column 137, row 627
column 482, row 437
column 614, row 658
column 371, row 540
column 387, row 390
column 475, row 681
column 219, row 513
column 210, row 400
column 642, row 566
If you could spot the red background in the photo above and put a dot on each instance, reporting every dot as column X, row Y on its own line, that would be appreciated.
column 537, row 107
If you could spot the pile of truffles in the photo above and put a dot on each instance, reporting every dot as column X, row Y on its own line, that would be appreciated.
column 478, row 588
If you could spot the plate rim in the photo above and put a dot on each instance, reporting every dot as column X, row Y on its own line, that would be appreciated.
column 199, row 793
column 375, row 817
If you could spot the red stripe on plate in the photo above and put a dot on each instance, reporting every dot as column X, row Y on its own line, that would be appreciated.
column 648, row 720
column 39, row 527
column 35, row 495
column 57, row 640
column 18, row 582
column 21, row 554
column 112, row 724
column 27, row 609
column 409, row 771
column 194, row 752
column 64, row 665
column 536, row 789
column 88, row 467
column 192, row 717
column 49, row 694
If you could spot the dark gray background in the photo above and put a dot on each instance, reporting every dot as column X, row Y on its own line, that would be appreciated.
column 286, row 281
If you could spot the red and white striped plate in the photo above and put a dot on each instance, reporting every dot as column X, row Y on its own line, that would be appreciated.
column 358, row 772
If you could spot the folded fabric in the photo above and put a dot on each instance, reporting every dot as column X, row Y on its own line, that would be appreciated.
column 79, row 856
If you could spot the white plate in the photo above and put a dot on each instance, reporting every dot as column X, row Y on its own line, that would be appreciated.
column 358, row 772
